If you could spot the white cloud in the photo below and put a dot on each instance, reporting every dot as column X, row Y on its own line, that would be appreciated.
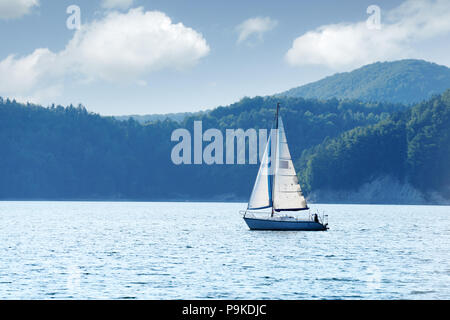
column 255, row 27
column 119, row 47
column 117, row 4
column 11, row 9
column 24, row 76
column 348, row 45
column 123, row 46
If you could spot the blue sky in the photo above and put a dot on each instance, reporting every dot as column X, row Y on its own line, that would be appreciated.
column 142, row 57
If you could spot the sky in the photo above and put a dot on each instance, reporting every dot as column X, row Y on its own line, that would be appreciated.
column 159, row 56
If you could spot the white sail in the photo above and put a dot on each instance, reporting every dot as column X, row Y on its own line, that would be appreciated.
column 277, row 184
column 261, row 196
column 287, row 193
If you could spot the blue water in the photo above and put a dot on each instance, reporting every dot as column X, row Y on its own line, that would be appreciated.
column 58, row 250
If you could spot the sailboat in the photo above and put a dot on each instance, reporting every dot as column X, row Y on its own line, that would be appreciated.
column 277, row 193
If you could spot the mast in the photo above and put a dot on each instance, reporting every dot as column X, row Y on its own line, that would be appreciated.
column 277, row 176
column 273, row 165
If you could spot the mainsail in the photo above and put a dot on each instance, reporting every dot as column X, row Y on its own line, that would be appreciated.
column 287, row 194
column 277, row 185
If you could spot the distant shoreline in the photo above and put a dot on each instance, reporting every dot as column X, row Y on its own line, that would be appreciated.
column 213, row 201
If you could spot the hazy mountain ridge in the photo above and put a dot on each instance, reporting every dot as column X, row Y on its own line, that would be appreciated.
column 405, row 81
column 177, row 117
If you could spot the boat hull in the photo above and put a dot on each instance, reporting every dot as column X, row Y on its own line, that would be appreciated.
column 280, row 225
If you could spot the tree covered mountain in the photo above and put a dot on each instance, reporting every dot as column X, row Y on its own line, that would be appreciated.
column 405, row 81
column 70, row 153
column 411, row 148
column 344, row 149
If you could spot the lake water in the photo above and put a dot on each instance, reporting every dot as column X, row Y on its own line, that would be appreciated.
column 118, row 250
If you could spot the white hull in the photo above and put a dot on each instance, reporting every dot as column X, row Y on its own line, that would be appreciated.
column 284, row 224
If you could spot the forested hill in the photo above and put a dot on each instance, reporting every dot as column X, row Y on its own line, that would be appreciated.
column 70, row 153
column 405, row 157
column 405, row 81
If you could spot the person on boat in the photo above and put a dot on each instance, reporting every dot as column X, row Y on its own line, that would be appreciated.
column 316, row 218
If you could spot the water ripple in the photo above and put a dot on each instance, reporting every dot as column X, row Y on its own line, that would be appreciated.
column 101, row 250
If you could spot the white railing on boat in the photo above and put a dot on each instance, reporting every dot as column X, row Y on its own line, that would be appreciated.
column 322, row 217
